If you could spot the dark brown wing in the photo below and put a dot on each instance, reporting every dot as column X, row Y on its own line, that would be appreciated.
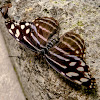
column 24, row 33
column 46, row 28
column 64, row 57
column 71, row 44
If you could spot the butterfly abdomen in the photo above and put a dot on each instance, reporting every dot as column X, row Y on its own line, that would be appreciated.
column 51, row 42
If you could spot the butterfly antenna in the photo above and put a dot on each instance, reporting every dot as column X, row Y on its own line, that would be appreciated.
column 4, row 10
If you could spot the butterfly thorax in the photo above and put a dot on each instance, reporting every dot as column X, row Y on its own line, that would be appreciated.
column 51, row 42
column 43, row 51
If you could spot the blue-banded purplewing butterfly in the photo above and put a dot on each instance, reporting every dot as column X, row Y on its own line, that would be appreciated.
column 64, row 54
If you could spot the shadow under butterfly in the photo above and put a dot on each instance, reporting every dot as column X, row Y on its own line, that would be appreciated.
column 64, row 54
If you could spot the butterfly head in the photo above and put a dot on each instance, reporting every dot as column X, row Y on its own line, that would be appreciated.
column 44, row 51
column 4, row 10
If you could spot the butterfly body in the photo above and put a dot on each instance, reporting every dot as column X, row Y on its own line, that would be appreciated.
column 64, row 54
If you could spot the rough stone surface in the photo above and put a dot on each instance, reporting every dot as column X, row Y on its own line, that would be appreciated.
column 39, row 80
column 10, row 88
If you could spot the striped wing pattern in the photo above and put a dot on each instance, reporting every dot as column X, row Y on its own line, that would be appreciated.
column 33, row 34
column 24, row 33
column 65, row 54
column 65, row 58
column 71, row 44
column 46, row 28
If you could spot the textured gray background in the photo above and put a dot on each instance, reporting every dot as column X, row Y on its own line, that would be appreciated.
column 39, row 81
column 10, row 88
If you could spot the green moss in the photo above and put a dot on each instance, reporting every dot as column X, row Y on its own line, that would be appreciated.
column 30, row 61
column 84, row 8
column 79, row 23
column 73, row 26
column 56, row 2
column 63, row 0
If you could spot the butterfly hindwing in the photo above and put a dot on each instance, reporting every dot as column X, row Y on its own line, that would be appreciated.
column 68, row 63
column 72, row 44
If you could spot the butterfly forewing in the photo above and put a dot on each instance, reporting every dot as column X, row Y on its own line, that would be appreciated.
column 33, row 34
column 24, row 33
column 46, row 28
column 67, row 62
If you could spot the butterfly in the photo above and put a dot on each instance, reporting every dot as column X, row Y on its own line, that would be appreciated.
column 64, row 54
